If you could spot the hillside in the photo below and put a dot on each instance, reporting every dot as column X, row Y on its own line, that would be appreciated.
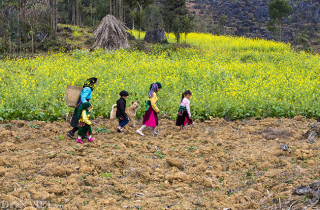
column 248, row 18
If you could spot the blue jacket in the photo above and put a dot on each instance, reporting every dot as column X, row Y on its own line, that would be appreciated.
column 86, row 94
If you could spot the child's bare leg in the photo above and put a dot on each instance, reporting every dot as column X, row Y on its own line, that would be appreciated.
column 134, row 122
column 139, row 131
column 154, row 132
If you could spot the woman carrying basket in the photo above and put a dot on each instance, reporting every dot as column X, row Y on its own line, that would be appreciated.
column 85, row 96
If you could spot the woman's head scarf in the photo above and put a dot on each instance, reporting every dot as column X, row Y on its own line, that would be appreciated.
column 90, row 83
column 82, row 107
column 153, row 88
column 159, row 85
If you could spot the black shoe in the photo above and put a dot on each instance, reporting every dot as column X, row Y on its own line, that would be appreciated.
column 70, row 134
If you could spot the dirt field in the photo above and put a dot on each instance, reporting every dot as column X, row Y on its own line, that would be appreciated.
column 214, row 165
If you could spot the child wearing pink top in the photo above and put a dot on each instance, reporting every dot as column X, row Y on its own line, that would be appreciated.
column 184, row 113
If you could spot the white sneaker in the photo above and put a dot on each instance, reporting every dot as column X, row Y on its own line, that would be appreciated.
column 140, row 132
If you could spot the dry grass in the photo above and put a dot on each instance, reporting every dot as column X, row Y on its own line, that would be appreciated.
column 111, row 34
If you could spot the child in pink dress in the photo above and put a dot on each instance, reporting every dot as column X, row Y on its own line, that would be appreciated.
column 184, row 113
column 151, row 115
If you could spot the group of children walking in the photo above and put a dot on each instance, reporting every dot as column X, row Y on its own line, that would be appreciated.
column 81, row 123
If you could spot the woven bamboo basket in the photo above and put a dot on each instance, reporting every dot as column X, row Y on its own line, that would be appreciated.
column 73, row 95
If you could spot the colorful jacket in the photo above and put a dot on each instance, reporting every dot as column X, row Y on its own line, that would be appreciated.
column 186, row 103
column 86, row 94
column 152, row 102
column 84, row 118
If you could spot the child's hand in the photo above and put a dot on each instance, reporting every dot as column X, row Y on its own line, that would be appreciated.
column 82, row 124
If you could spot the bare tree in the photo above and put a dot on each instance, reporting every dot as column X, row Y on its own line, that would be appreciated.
column 73, row 21
column 35, row 14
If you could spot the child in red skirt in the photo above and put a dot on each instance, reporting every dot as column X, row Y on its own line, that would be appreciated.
column 184, row 113
column 151, row 117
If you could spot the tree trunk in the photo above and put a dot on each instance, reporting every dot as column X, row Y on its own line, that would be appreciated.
column 73, row 21
column 110, row 7
column 9, row 46
column 140, row 6
column 56, row 15
column 120, row 10
column 32, row 44
column 4, row 43
column 139, row 33
column 117, row 9
column 52, row 19
column 77, row 13
column 114, row 8
column 280, row 32
column 32, row 39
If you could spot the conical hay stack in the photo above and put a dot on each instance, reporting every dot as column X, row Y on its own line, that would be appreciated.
column 111, row 34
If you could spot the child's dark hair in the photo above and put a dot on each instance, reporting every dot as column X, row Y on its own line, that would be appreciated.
column 187, row 92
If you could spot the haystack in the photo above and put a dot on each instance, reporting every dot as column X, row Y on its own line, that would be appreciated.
column 111, row 34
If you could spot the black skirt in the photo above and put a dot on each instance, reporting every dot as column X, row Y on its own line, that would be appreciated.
column 74, row 120
column 183, row 119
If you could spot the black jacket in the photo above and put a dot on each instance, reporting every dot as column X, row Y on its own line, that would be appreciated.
column 121, row 109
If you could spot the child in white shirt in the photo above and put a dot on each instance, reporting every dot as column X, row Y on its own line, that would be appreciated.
column 184, row 113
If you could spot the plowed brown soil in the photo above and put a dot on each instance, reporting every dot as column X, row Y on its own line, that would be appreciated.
column 213, row 165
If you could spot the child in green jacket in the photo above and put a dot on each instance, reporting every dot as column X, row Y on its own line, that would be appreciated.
column 84, row 123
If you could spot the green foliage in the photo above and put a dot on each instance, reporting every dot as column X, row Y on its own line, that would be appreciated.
column 187, row 25
column 302, row 43
column 271, row 26
column 153, row 18
column 106, row 175
column 304, row 199
column 223, row 22
column 101, row 130
column 34, row 126
column 159, row 154
column 249, row 173
column 176, row 28
column 279, row 9
column 138, row 3
column 137, row 11
column 175, row 19
column 192, row 148
column 138, row 16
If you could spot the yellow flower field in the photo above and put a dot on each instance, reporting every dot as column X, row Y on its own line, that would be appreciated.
column 236, row 77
